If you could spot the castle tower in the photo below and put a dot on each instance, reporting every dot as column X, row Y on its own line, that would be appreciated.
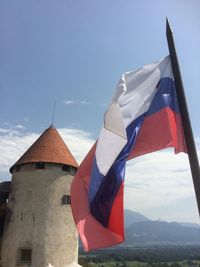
column 39, row 230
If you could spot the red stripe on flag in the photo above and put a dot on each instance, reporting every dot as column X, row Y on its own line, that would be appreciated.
column 116, row 222
column 160, row 130
column 88, row 227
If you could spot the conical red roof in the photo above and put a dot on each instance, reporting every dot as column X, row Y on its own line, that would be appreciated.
column 48, row 148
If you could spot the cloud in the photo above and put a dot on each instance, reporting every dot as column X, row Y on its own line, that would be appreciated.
column 153, row 183
column 159, row 180
column 26, row 119
column 19, row 126
column 78, row 141
column 69, row 102
column 83, row 102
column 15, row 141
column 80, row 102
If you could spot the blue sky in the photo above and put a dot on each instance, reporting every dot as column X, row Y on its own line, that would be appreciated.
column 74, row 52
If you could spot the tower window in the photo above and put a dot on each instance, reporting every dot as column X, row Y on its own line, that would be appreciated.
column 72, row 170
column 40, row 165
column 66, row 168
column 66, row 200
column 25, row 255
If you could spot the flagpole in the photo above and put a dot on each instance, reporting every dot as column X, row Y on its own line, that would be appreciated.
column 189, row 139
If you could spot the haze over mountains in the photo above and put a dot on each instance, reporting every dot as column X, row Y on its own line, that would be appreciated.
column 141, row 231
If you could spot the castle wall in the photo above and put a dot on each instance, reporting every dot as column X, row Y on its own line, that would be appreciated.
column 38, row 220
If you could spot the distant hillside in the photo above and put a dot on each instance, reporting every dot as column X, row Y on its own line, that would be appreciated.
column 194, row 225
column 133, row 217
column 159, row 233
column 141, row 231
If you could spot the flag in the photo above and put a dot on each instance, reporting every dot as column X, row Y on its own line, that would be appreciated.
column 143, row 117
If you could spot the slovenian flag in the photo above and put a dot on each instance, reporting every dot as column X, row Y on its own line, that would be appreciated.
column 143, row 117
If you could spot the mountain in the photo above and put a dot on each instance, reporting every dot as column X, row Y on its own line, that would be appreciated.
column 133, row 217
column 194, row 225
column 160, row 233
column 141, row 231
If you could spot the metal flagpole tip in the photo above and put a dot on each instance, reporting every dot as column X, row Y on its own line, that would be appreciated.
column 168, row 26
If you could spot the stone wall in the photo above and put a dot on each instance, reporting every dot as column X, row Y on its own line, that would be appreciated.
column 37, row 219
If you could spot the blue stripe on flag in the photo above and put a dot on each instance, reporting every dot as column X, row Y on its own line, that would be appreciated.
column 103, row 189
column 165, row 97
column 101, row 204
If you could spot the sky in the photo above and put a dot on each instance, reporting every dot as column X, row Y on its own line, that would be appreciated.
column 72, row 53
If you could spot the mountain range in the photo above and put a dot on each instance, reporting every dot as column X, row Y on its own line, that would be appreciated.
column 141, row 231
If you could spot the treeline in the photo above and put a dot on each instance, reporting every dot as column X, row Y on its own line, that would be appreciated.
column 139, row 264
column 150, row 255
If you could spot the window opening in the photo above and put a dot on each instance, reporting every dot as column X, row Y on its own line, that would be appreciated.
column 66, row 200
column 40, row 165
column 25, row 255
